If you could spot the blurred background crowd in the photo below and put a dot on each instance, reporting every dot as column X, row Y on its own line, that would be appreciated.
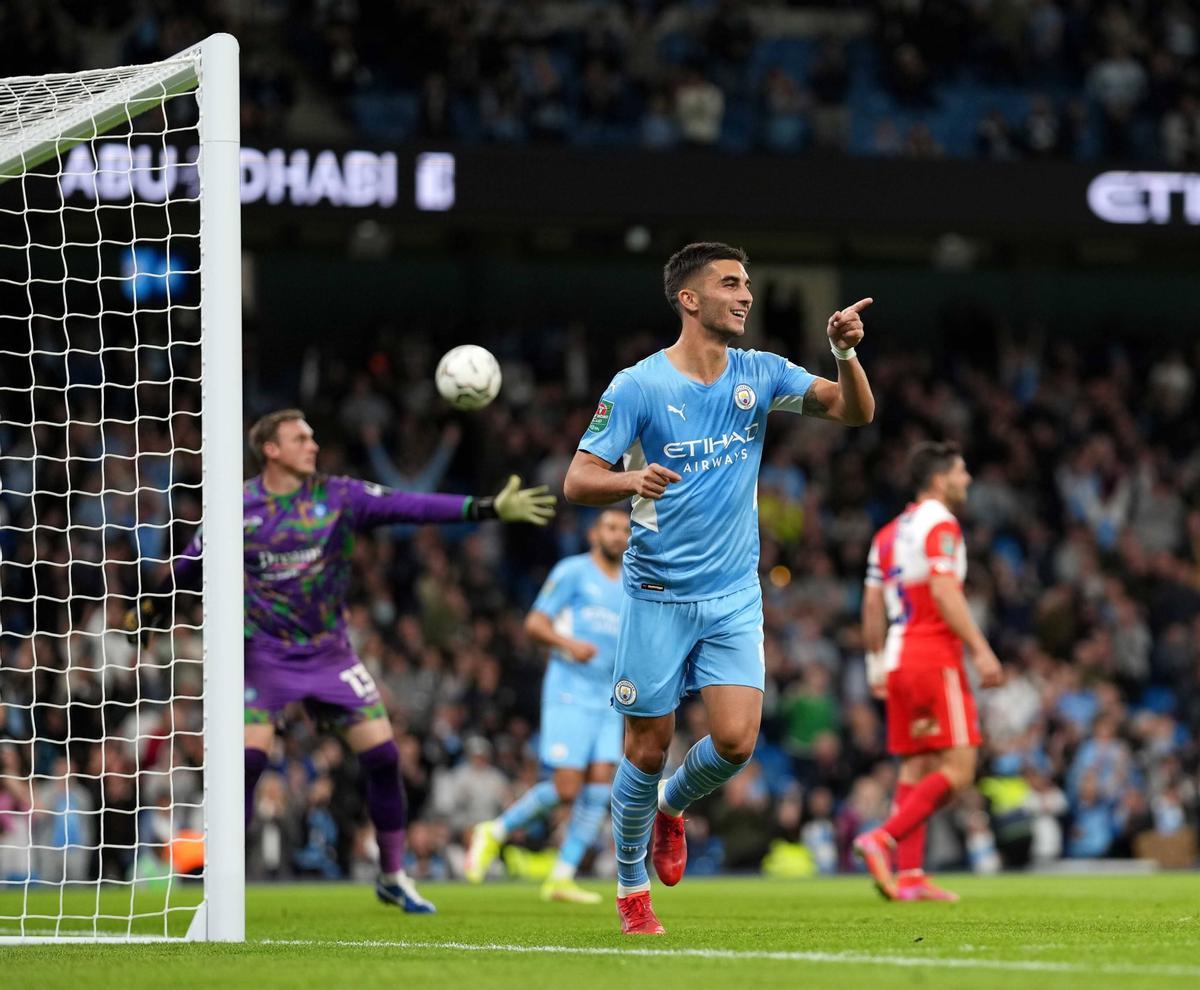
column 995, row 79
column 1084, row 537
column 1065, row 366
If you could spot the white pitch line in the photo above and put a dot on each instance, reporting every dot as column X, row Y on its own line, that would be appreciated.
column 845, row 958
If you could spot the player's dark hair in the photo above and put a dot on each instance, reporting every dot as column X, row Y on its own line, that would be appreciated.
column 266, row 430
column 931, row 458
column 692, row 258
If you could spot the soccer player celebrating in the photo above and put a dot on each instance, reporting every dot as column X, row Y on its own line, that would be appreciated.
column 688, row 423
column 576, row 615
column 298, row 536
column 915, row 574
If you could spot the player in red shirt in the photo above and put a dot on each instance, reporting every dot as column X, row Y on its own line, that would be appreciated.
column 915, row 624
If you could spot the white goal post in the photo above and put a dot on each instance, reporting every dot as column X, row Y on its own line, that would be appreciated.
column 121, row 767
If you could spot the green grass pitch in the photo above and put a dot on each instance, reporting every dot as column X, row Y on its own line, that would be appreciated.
column 1089, row 932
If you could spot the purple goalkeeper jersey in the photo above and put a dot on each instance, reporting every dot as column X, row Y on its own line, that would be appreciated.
column 297, row 550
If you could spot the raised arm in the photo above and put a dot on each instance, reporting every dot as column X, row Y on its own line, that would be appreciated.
column 424, row 480
column 848, row 400
column 592, row 481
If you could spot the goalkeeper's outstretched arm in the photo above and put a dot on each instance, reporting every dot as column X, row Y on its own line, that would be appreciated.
column 374, row 505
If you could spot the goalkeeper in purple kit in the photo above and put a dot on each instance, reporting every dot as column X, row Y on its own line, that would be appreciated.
column 299, row 529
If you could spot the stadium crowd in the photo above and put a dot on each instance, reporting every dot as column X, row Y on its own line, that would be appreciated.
column 1047, row 79
column 1084, row 522
column 1084, row 539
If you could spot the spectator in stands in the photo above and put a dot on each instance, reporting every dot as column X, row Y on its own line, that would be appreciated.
column 16, row 801
column 471, row 792
column 699, row 108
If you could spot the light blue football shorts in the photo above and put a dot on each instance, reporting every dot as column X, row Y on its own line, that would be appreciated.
column 575, row 737
column 668, row 650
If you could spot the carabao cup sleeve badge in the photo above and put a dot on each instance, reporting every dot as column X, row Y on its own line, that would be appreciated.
column 600, row 420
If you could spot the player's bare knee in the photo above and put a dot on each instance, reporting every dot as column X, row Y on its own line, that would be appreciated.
column 958, row 766
column 567, row 788
column 648, row 760
column 646, row 753
column 735, row 748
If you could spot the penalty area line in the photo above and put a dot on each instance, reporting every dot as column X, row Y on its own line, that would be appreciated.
column 832, row 958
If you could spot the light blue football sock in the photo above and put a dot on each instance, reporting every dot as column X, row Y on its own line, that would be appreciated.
column 703, row 770
column 587, row 816
column 539, row 800
column 634, row 803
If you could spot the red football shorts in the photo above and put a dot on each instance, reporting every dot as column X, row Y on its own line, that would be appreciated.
column 930, row 707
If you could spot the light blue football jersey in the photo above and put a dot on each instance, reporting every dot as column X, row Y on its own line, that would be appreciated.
column 584, row 603
column 700, row 540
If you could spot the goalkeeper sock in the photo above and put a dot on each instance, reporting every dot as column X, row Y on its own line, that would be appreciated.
column 634, row 804
column 910, row 851
column 540, row 799
column 385, row 803
column 256, row 763
column 703, row 770
column 587, row 816
column 925, row 798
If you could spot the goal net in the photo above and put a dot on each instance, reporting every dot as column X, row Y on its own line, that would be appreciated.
column 120, row 435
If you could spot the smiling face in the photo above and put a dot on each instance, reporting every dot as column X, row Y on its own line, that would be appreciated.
column 719, row 297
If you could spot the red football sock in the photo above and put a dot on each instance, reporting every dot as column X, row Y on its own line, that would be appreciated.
column 922, row 801
column 910, row 851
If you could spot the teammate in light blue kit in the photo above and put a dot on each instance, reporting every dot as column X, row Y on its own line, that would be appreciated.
column 688, row 422
column 576, row 615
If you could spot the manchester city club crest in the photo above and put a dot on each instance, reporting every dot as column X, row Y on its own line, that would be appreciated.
column 744, row 397
column 625, row 692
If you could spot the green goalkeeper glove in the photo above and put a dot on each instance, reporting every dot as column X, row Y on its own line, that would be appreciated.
column 531, row 505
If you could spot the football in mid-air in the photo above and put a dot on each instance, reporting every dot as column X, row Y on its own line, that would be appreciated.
column 468, row 376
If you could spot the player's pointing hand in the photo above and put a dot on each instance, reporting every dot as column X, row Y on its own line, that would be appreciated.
column 652, row 481
column 531, row 505
column 845, row 326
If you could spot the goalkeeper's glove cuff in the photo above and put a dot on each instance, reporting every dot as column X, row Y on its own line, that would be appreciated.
column 481, row 508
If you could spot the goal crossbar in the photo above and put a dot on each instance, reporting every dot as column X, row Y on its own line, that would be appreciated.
column 115, row 100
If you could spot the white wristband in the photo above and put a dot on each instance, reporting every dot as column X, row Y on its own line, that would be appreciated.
column 842, row 355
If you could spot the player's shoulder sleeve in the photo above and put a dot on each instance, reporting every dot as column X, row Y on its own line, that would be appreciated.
column 874, row 578
column 789, row 382
column 619, row 419
column 346, row 494
column 942, row 541
column 558, row 588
